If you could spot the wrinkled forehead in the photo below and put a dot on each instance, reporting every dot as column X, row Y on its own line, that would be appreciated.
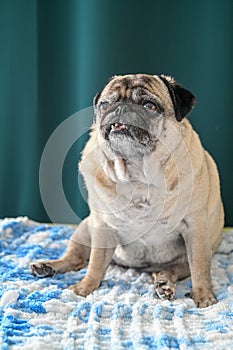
column 132, row 87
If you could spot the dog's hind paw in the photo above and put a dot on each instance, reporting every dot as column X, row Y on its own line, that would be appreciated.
column 165, row 289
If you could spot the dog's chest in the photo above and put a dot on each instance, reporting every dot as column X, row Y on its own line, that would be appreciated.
column 137, row 215
column 135, row 206
column 139, row 196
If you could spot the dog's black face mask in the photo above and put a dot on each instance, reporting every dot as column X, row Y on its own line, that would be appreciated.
column 130, row 110
column 127, row 125
column 124, row 123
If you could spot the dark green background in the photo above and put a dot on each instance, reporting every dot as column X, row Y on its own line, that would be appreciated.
column 56, row 54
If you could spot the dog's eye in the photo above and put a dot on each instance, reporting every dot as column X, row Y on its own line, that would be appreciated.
column 150, row 106
column 103, row 106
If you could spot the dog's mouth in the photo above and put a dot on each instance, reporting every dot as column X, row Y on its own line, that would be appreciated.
column 119, row 128
column 120, row 135
column 123, row 130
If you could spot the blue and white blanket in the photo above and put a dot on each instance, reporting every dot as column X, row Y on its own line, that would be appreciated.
column 123, row 313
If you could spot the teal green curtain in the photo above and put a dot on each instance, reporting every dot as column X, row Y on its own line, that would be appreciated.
column 55, row 55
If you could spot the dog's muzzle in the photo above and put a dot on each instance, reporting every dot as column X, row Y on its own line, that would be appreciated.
column 125, row 120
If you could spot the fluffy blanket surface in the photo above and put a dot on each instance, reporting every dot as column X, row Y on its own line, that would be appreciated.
column 123, row 313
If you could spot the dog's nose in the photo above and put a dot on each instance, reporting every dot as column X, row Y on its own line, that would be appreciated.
column 121, row 110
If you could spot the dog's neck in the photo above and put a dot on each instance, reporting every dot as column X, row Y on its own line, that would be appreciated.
column 133, row 170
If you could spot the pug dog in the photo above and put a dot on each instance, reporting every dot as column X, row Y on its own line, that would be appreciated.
column 153, row 191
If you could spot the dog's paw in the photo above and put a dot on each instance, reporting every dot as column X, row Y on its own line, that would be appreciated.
column 83, row 288
column 42, row 269
column 203, row 297
column 165, row 289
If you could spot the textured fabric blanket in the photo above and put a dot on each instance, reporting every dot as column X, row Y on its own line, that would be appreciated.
column 123, row 313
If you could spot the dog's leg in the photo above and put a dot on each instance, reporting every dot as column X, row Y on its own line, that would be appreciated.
column 199, row 251
column 75, row 257
column 104, row 242
column 99, row 261
column 164, row 280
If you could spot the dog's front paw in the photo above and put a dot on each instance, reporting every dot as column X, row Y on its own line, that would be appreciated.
column 203, row 297
column 42, row 269
column 165, row 289
column 84, row 287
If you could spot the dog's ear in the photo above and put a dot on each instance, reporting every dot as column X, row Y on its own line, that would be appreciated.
column 95, row 101
column 183, row 100
column 96, row 98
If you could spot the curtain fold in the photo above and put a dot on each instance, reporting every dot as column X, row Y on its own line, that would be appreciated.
column 55, row 55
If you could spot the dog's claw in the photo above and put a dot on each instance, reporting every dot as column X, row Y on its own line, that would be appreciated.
column 42, row 270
